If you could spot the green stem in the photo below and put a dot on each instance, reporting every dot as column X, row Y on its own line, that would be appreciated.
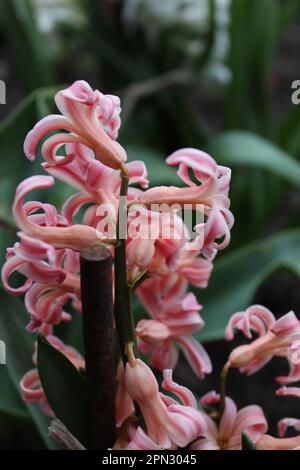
column 223, row 377
column 123, row 293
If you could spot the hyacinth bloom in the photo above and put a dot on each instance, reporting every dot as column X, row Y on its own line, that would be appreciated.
column 154, row 242
column 211, row 196
column 50, row 227
column 267, row 442
column 175, row 317
column 52, row 280
column 227, row 435
column 167, row 422
column 30, row 385
column 91, row 119
column 60, row 230
column 275, row 338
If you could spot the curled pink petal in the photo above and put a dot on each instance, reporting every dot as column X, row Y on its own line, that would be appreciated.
column 285, row 423
column 289, row 322
column 12, row 264
column 41, row 129
column 31, row 387
column 183, row 393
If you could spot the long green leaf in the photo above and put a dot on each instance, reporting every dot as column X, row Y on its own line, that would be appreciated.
column 65, row 389
column 237, row 276
column 28, row 46
column 255, row 29
column 245, row 149
column 289, row 133
column 19, row 348
column 10, row 401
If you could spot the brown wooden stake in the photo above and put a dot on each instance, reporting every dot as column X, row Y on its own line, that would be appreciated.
column 98, row 330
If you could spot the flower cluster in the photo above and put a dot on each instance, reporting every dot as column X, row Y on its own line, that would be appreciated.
column 163, row 259
column 79, row 147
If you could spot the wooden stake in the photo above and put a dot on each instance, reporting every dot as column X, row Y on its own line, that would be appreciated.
column 98, row 330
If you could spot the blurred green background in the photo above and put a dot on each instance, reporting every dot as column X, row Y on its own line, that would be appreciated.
column 212, row 74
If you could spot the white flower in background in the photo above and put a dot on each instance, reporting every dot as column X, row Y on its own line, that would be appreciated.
column 155, row 16
column 167, row 13
column 51, row 12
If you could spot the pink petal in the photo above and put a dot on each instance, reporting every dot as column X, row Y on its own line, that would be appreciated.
column 202, row 164
column 51, row 146
column 141, row 441
column 31, row 387
column 74, row 203
column 137, row 173
column 196, row 355
column 288, row 391
column 283, row 424
column 251, row 420
column 29, row 184
column 164, row 356
column 204, row 444
column 288, row 324
column 183, row 393
column 13, row 264
column 184, row 424
column 228, row 420
column 41, row 129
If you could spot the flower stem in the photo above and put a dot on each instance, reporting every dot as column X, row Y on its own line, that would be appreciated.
column 123, row 293
column 223, row 377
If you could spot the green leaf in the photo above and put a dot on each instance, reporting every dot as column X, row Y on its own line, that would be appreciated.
column 237, row 276
column 10, row 401
column 247, row 443
column 289, row 132
column 159, row 172
column 14, row 129
column 255, row 30
column 65, row 389
column 27, row 44
column 238, row 148
column 14, row 164
column 19, row 350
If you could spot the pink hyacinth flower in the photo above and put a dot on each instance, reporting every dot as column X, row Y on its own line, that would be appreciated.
column 211, row 197
column 52, row 280
column 276, row 338
column 227, row 435
column 91, row 119
column 55, row 231
column 176, row 317
column 167, row 423
column 155, row 241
